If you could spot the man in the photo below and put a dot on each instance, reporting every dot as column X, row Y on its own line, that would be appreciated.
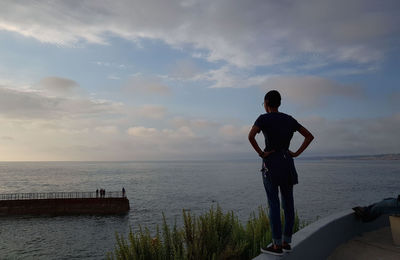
column 278, row 167
column 373, row 211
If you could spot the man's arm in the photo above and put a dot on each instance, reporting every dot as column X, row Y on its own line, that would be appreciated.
column 252, row 134
column 308, row 137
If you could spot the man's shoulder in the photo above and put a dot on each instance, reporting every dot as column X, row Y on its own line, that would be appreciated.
column 264, row 117
column 274, row 115
column 284, row 114
column 262, row 120
column 281, row 115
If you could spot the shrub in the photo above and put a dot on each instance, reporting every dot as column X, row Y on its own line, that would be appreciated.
column 213, row 235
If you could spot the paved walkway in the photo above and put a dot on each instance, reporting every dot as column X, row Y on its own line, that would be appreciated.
column 377, row 244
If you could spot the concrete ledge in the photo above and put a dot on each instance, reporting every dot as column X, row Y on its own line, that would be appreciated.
column 319, row 239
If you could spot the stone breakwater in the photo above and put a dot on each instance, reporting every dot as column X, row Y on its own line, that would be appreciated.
column 64, row 206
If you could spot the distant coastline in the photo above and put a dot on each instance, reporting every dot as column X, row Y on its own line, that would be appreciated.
column 388, row 157
column 377, row 157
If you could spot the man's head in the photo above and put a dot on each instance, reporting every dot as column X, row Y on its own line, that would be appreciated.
column 272, row 99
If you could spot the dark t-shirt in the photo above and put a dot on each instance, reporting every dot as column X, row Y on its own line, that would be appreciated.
column 278, row 129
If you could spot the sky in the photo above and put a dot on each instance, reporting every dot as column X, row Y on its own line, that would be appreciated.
column 185, row 80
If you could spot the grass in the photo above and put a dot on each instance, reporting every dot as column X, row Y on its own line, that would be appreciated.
column 212, row 235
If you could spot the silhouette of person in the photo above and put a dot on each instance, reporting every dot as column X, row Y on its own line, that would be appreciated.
column 278, row 170
column 97, row 193
column 123, row 192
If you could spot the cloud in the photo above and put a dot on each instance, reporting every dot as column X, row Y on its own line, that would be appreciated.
column 113, row 77
column 183, row 131
column 19, row 104
column 304, row 91
column 393, row 99
column 141, row 131
column 311, row 91
column 231, row 77
column 200, row 124
column 94, row 138
column 34, row 104
column 240, row 33
column 58, row 86
column 152, row 111
column 231, row 131
column 108, row 129
column 183, row 69
column 353, row 136
column 139, row 84
column 110, row 64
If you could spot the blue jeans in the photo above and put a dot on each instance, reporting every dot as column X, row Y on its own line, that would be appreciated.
column 274, row 212
column 386, row 206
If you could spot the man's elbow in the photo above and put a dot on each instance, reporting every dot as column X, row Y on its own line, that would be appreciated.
column 250, row 137
column 310, row 137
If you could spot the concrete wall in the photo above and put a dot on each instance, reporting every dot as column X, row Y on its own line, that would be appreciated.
column 64, row 206
column 319, row 239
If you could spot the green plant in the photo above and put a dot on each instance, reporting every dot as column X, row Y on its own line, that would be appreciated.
column 212, row 235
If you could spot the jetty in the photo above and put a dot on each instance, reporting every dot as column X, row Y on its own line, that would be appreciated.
column 64, row 203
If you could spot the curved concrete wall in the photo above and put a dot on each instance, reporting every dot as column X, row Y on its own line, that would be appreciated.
column 319, row 239
column 64, row 206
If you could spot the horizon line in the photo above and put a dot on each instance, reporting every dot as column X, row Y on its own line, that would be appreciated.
column 309, row 157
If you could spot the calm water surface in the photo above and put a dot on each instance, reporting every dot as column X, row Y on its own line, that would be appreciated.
column 153, row 187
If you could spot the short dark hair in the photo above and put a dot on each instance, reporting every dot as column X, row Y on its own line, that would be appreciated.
column 273, row 98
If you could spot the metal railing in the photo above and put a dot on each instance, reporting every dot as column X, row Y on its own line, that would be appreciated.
column 61, row 195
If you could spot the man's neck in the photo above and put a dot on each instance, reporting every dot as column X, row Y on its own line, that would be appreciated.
column 272, row 109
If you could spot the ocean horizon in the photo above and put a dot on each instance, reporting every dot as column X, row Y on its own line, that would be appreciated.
column 155, row 187
column 381, row 156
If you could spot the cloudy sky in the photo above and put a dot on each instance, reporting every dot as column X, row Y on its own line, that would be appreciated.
column 177, row 80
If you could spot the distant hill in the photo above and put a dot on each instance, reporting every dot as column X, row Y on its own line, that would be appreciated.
column 391, row 156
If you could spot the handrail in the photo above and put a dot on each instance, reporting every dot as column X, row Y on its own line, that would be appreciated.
column 62, row 195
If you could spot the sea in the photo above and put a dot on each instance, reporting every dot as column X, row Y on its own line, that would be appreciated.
column 153, row 188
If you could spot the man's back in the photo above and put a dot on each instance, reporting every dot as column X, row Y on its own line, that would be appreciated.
column 278, row 129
